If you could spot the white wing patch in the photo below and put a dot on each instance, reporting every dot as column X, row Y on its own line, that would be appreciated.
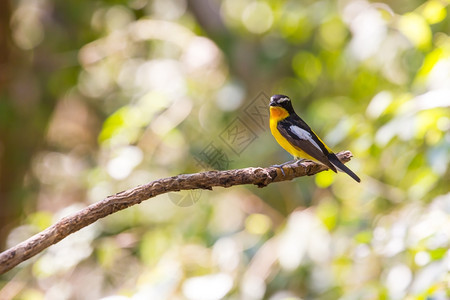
column 304, row 135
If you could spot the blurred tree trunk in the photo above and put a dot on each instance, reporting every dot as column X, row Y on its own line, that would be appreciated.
column 5, row 14
column 23, row 119
column 8, row 171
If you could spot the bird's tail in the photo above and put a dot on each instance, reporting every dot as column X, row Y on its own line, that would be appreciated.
column 341, row 167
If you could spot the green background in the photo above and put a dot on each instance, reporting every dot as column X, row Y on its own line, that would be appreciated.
column 100, row 96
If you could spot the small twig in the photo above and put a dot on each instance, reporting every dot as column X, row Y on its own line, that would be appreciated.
column 204, row 180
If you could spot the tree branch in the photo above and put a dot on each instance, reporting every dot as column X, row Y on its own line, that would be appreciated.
column 111, row 204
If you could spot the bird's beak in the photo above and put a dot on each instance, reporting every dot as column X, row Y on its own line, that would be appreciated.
column 272, row 103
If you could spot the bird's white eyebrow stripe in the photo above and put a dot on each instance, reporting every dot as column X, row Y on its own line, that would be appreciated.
column 304, row 135
column 283, row 99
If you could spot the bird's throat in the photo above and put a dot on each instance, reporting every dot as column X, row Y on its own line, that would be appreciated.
column 278, row 113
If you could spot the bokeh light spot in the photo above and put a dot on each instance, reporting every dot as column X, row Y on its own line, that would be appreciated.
column 27, row 28
column 416, row 29
column 379, row 104
column 122, row 165
column 207, row 287
column 332, row 34
column 434, row 11
column 398, row 279
column 231, row 96
column 324, row 179
column 257, row 17
column 257, row 224
column 307, row 66
column 422, row 258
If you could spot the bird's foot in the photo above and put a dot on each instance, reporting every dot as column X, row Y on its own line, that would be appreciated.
column 285, row 163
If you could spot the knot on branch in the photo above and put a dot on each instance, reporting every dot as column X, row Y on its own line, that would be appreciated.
column 262, row 177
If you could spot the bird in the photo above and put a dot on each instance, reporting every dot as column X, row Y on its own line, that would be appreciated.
column 297, row 138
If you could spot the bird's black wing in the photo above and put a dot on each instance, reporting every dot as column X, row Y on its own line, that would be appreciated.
column 300, row 135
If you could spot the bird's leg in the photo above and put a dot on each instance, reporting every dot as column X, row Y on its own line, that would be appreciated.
column 285, row 163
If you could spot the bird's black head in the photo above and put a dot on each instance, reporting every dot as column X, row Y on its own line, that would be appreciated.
column 282, row 101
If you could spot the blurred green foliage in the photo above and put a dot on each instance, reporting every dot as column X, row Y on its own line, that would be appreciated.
column 106, row 95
